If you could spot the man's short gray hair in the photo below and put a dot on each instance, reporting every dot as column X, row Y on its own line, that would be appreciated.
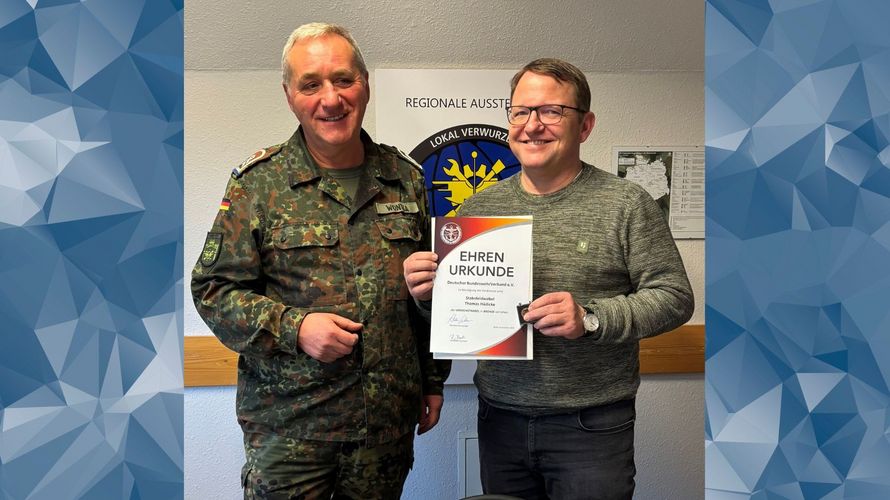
column 318, row 30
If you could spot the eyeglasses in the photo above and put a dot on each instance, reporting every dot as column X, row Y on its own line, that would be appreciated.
column 548, row 114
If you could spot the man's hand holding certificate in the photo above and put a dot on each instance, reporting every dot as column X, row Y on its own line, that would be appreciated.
column 482, row 281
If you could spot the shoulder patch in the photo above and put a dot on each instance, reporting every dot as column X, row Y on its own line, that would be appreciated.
column 401, row 154
column 253, row 159
column 210, row 252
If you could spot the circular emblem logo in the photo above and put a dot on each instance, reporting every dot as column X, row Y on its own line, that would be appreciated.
column 450, row 233
column 461, row 161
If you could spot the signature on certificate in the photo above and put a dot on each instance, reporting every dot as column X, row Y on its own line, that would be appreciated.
column 458, row 320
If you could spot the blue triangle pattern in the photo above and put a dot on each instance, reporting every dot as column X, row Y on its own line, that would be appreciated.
column 90, row 231
column 798, row 249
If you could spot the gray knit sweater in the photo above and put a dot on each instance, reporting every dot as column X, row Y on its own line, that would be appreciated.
column 606, row 241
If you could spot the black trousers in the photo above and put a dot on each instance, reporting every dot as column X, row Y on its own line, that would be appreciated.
column 584, row 455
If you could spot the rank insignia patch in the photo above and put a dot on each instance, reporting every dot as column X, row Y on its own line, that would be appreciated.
column 253, row 159
column 212, row 246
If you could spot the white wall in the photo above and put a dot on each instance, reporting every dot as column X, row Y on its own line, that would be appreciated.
column 644, row 63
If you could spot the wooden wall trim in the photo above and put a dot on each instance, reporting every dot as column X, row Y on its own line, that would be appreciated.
column 678, row 351
column 209, row 363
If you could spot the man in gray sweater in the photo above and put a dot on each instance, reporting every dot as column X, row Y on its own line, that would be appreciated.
column 606, row 274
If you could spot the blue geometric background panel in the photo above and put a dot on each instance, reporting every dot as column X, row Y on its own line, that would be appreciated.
column 91, row 266
column 797, row 384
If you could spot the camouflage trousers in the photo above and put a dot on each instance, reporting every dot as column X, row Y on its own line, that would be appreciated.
column 281, row 468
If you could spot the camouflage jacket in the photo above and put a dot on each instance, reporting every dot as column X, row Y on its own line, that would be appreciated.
column 287, row 242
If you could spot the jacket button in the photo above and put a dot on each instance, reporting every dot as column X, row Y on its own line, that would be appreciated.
column 358, row 272
column 283, row 238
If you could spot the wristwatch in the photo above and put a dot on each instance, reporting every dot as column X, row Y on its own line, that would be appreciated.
column 591, row 323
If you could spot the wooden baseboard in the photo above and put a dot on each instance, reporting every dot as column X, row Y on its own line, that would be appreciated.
column 209, row 363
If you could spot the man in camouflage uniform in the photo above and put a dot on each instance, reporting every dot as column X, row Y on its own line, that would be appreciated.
column 301, row 274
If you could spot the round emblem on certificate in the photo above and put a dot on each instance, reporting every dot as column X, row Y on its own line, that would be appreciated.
column 451, row 233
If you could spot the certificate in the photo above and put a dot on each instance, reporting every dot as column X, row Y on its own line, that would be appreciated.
column 483, row 280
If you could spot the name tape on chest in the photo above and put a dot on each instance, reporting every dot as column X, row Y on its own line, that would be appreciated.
column 408, row 207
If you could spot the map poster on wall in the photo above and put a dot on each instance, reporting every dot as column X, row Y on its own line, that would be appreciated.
column 674, row 176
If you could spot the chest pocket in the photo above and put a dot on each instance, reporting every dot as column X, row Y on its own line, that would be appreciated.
column 400, row 238
column 308, row 263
